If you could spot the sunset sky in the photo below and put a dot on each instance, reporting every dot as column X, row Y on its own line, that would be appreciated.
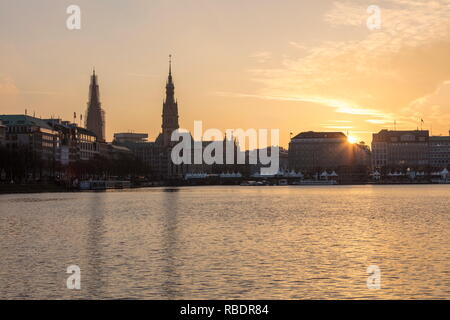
column 294, row 65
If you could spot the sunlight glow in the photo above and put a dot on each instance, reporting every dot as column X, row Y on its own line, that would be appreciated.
column 352, row 139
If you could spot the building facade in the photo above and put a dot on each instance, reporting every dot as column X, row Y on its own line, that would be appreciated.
column 400, row 149
column 34, row 134
column 163, row 144
column 32, row 144
column 440, row 152
column 149, row 153
column 320, row 153
column 2, row 134
column 315, row 151
column 75, row 143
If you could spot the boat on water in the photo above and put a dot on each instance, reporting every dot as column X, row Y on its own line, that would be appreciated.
column 104, row 185
column 248, row 183
column 285, row 182
column 317, row 182
column 440, row 181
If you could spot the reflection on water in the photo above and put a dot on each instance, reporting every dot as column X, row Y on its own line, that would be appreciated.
column 95, row 235
column 169, row 244
column 228, row 242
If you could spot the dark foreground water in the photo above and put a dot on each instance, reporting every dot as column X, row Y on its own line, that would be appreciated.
column 228, row 243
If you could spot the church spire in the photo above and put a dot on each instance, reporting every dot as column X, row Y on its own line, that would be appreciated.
column 95, row 120
column 170, row 65
column 169, row 79
column 170, row 88
column 170, row 109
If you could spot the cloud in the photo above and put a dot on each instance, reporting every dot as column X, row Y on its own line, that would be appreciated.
column 433, row 108
column 335, row 127
column 340, row 106
column 8, row 87
column 372, row 74
column 261, row 56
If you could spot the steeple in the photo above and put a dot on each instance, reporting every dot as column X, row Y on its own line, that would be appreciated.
column 170, row 109
column 170, row 67
column 94, row 114
column 170, row 88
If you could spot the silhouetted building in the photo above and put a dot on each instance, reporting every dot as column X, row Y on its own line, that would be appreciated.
column 34, row 142
column 130, row 137
column 221, row 165
column 149, row 153
column 169, row 125
column 95, row 115
column 115, row 152
column 2, row 134
column 254, row 162
column 75, row 143
column 315, row 151
column 400, row 149
column 33, row 133
column 169, row 114
column 284, row 159
column 440, row 151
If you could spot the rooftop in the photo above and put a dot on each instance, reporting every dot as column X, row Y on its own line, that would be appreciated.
column 23, row 120
column 440, row 138
column 320, row 135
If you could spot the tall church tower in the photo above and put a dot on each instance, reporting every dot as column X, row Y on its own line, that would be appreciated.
column 170, row 110
column 95, row 116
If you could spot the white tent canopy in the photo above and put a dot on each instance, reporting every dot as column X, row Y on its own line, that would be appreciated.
column 333, row 174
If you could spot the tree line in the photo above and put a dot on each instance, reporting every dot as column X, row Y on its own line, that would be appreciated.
column 23, row 165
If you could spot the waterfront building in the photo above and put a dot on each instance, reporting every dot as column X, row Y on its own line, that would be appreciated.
column 95, row 115
column 116, row 152
column 227, row 145
column 130, row 137
column 34, row 134
column 149, row 153
column 313, row 153
column 316, row 151
column 32, row 142
column 400, row 149
column 159, row 151
column 2, row 134
column 75, row 143
column 254, row 164
column 440, row 152
column 169, row 113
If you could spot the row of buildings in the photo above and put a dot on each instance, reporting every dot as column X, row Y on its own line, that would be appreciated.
column 410, row 149
column 414, row 149
column 311, row 153
column 54, row 146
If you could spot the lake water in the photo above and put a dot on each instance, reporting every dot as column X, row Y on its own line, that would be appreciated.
column 293, row 242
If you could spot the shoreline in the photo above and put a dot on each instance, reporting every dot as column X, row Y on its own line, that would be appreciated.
column 50, row 188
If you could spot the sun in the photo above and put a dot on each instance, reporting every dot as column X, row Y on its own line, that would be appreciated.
column 352, row 139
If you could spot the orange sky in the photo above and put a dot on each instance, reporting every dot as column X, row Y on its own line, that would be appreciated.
column 293, row 65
